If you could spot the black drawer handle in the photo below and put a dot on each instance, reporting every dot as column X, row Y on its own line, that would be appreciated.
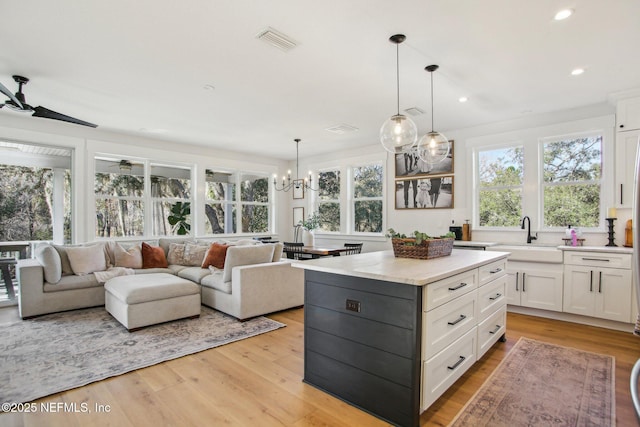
column 458, row 320
column 461, row 285
column 596, row 259
column 497, row 270
column 495, row 330
column 455, row 365
column 496, row 297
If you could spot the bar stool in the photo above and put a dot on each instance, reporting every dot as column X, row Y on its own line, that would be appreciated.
column 6, row 275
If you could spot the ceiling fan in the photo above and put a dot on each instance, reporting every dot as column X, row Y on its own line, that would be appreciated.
column 17, row 102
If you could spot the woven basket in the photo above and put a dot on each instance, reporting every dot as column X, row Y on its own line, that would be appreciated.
column 431, row 248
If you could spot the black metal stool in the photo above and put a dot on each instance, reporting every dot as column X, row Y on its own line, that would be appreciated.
column 6, row 275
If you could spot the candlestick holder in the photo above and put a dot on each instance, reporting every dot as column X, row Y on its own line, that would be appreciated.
column 611, row 232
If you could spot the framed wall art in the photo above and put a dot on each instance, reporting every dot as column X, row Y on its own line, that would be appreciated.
column 298, row 189
column 298, row 215
column 424, row 193
column 410, row 164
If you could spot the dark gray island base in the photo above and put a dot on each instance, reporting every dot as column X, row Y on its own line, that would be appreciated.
column 366, row 340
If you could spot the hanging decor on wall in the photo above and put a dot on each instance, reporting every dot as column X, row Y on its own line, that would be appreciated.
column 399, row 133
column 424, row 193
column 433, row 147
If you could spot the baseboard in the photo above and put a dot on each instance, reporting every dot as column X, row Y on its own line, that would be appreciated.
column 574, row 318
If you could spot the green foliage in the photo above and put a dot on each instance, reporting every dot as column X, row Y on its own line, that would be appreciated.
column 179, row 217
column 419, row 237
column 312, row 222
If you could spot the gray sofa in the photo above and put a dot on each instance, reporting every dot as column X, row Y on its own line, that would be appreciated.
column 254, row 280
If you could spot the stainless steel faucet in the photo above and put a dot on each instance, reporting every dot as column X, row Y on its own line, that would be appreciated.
column 529, row 236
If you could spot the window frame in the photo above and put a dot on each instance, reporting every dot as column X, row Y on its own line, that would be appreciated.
column 331, row 201
column 352, row 199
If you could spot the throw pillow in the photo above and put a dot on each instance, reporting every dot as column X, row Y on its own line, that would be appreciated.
column 215, row 256
column 87, row 259
column 51, row 264
column 176, row 254
column 194, row 254
column 130, row 258
column 153, row 257
column 64, row 259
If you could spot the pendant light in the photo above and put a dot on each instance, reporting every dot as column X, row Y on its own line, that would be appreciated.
column 433, row 147
column 297, row 183
column 399, row 133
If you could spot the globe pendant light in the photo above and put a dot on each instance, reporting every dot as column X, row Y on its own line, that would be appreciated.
column 433, row 147
column 399, row 133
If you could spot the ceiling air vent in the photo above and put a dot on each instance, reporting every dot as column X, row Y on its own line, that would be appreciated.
column 414, row 111
column 341, row 128
column 277, row 39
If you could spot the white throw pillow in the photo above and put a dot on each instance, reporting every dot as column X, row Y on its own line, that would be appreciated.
column 175, row 256
column 87, row 259
column 48, row 256
column 130, row 258
column 194, row 254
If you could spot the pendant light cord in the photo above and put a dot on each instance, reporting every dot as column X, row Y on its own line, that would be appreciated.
column 398, row 76
column 431, row 102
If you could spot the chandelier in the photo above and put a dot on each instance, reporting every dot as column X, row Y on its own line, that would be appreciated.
column 288, row 183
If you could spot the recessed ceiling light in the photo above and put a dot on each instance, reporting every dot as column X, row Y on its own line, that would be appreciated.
column 577, row 71
column 463, row 99
column 563, row 14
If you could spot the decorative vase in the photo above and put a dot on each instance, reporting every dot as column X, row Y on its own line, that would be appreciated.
column 308, row 238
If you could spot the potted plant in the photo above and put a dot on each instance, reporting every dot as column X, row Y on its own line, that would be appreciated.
column 420, row 245
column 308, row 225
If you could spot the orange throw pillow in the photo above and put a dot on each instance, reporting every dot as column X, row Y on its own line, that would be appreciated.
column 153, row 257
column 215, row 256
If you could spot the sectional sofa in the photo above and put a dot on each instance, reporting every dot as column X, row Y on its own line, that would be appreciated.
column 253, row 280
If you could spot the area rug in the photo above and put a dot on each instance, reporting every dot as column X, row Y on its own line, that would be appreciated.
column 545, row 384
column 62, row 351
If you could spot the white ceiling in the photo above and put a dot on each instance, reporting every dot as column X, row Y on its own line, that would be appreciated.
column 133, row 65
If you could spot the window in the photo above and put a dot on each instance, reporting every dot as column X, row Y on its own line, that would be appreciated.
column 220, row 208
column 572, row 173
column 500, row 178
column 119, row 189
column 367, row 198
column 329, row 200
column 170, row 198
column 254, row 203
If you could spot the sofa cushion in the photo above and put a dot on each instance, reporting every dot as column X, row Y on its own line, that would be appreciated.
column 246, row 255
column 277, row 251
column 87, row 259
column 176, row 253
column 214, row 281
column 49, row 257
column 194, row 254
column 64, row 259
column 130, row 258
column 215, row 256
column 68, row 283
column 165, row 242
column 167, row 270
column 153, row 257
column 195, row 274
column 149, row 287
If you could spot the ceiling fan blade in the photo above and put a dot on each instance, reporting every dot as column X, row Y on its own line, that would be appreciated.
column 9, row 95
column 48, row 114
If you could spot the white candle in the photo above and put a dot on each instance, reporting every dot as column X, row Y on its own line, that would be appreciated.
column 611, row 213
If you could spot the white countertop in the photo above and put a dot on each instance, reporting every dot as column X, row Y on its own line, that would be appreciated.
column 473, row 244
column 385, row 266
column 605, row 249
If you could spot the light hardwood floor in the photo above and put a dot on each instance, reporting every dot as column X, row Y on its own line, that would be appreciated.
column 258, row 382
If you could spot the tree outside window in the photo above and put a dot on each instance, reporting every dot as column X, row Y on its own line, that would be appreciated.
column 329, row 200
column 572, row 174
column 500, row 178
column 170, row 198
column 367, row 198
column 220, row 208
column 254, row 203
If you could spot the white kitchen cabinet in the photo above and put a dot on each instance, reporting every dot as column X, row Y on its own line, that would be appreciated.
column 626, row 148
column 628, row 114
column 535, row 285
column 596, row 291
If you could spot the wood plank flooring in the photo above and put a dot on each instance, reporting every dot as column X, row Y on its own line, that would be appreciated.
column 258, row 382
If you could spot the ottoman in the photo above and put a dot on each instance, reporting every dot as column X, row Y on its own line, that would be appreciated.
column 147, row 299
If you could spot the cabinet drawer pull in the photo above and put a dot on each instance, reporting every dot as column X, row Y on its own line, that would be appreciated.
column 461, row 285
column 496, row 297
column 497, row 270
column 458, row 320
column 596, row 259
column 600, row 284
column 591, row 281
column 495, row 330
column 455, row 365
column 523, row 276
column 517, row 277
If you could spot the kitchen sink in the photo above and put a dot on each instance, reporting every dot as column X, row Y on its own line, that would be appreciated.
column 530, row 253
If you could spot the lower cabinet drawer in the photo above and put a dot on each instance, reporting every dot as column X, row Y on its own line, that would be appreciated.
column 491, row 329
column 442, row 370
column 447, row 323
column 491, row 296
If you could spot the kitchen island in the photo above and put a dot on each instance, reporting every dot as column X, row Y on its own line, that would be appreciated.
column 390, row 335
